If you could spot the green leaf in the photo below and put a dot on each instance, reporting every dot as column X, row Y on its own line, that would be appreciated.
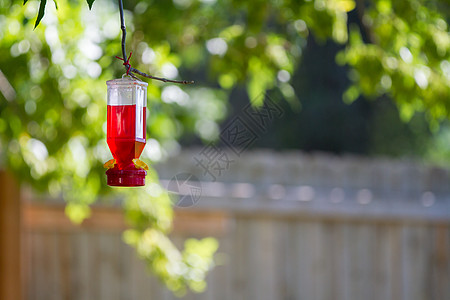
column 24, row 2
column 90, row 3
column 345, row 5
column 56, row 4
column 351, row 94
column 40, row 13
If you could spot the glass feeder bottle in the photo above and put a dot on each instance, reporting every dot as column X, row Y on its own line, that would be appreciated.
column 126, row 130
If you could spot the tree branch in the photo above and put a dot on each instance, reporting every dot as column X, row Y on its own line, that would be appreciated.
column 124, row 30
column 126, row 63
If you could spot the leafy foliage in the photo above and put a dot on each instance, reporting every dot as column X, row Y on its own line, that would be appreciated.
column 53, row 87
column 408, row 56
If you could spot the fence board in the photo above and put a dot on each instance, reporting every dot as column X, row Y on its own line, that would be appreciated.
column 34, row 266
column 126, row 253
column 395, row 263
column 64, row 265
column 304, row 271
column 361, row 262
column 108, row 253
column 324, row 247
column 441, row 263
column 341, row 261
column 282, row 258
column 382, row 284
column 261, row 260
column 81, row 266
column 140, row 284
column 415, row 253
column 219, row 279
column 239, row 256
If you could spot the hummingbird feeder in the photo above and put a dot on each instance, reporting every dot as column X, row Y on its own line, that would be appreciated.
column 126, row 120
column 126, row 131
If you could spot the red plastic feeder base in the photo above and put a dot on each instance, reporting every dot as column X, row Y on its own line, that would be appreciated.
column 117, row 177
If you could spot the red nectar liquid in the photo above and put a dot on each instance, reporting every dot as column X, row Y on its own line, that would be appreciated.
column 126, row 133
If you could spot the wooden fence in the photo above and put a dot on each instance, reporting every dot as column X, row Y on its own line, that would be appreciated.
column 290, row 226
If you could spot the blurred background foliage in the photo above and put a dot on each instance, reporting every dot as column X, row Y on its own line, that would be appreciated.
column 327, row 60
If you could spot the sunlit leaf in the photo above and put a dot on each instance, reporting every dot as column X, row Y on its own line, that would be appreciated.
column 90, row 3
column 345, row 5
column 41, row 12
